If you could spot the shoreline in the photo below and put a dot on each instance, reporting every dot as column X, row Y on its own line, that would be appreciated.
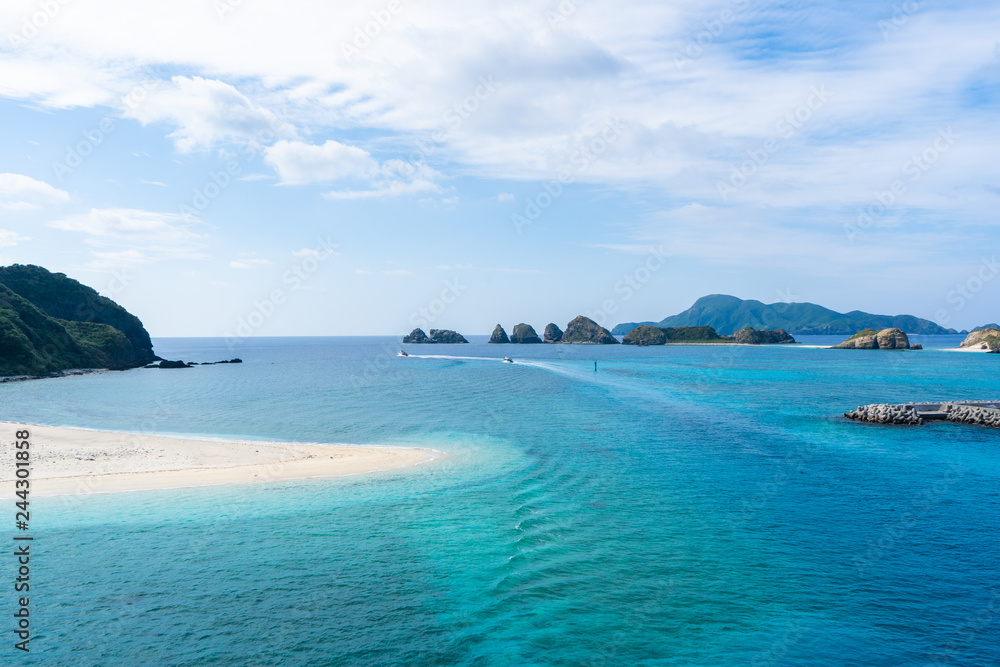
column 79, row 461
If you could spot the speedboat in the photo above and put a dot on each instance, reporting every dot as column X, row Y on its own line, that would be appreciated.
column 402, row 354
column 508, row 360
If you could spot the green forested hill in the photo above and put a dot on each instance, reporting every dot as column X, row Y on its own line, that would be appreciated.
column 49, row 322
column 728, row 314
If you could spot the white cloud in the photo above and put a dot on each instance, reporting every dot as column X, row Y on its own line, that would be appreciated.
column 18, row 192
column 505, row 196
column 298, row 163
column 106, row 261
column 316, row 254
column 248, row 262
column 207, row 113
column 9, row 238
column 156, row 235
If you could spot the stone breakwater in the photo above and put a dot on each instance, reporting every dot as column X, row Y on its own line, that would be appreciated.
column 884, row 413
column 979, row 413
column 972, row 414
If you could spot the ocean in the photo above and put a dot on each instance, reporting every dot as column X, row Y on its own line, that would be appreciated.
column 680, row 505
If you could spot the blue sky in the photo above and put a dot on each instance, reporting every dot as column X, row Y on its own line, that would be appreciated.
column 234, row 165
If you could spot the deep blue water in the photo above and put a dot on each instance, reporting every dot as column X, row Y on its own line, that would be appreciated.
column 683, row 505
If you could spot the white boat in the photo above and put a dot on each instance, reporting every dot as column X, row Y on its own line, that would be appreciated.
column 402, row 354
column 508, row 360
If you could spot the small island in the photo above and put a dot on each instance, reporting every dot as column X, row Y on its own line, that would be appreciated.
column 440, row 336
column 869, row 339
column 985, row 339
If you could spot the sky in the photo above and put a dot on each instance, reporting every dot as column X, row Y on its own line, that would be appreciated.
column 258, row 168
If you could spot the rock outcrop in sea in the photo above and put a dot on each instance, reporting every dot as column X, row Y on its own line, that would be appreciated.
column 751, row 336
column 645, row 335
column 446, row 336
column 525, row 334
column 867, row 339
column 586, row 331
column 985, row 339
column 499, row 336
column 437, row 336
column 416, row 336
column 553, row 334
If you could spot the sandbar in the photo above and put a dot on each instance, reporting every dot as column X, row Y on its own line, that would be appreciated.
column 70, row 461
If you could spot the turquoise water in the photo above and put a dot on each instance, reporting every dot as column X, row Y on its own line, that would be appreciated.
column 683, row 505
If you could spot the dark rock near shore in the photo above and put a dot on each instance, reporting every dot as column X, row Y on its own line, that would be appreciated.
column 446, row 336
column 751, row 336
column 645, row 335
column 524, row 334
column 172, row 364
column 867, row 339
column 553, row 334
column 586, row 331
column 918, row 346
column 499, row 336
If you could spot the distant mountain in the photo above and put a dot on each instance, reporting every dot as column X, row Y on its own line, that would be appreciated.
column 988, row 326
column 49, row 323
column 728, row 314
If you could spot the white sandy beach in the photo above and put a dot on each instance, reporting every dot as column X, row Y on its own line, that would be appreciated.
column 67, row 461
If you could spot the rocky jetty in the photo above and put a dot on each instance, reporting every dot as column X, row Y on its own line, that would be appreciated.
column 979, row 413
column 985, row 339
column 971, row 414
column 525, row 334
column 553, row 334
column 645, row 335
column 446, row 336
column 499, row 336
column 868, row 339
column 751, row 336
column 586, row 331
column 883, row 413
